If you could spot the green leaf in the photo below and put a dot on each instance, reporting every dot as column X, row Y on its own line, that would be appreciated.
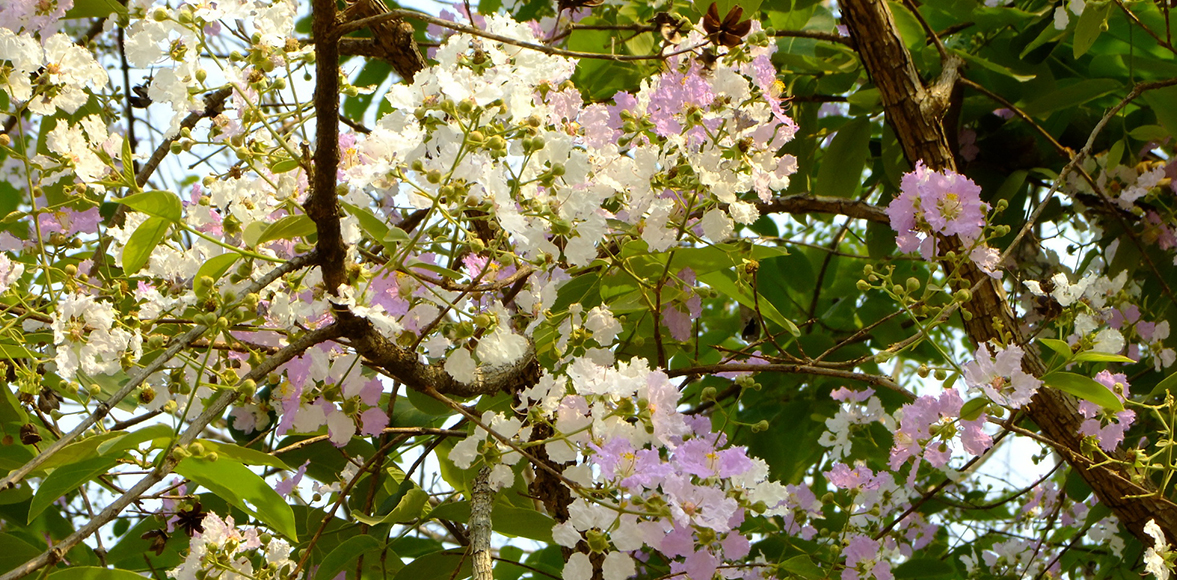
column 724, row 282
column 840, row 173
column 95, row 9
column 450, row 564
column 372, row 225
column 1094, row 17
column 1168, row 384
column 1071, row 95
column 131, row 439
column 216, row 266
column 346, row 553
column 410, row 507
column 158, row 203
column 236, row 484
column 94, row 573
column 1084, row 388
column 803, row 567
column 992, row 66
column 1059, row 346
column 11, row 351
column 507, row 520
column 1161, row 102
column 924, row 568
column 65, row 479
column 15, row 551
column 139, row 247
column 973, row 408
column 1092, row 356
column 244, row 454
column 284, row 165
column 287, row 228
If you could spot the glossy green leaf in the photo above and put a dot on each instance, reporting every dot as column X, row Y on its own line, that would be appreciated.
column 15, row 551
column 450, row 564
column 345, row 554
column 158, row 203
column 1168, row 384
column 65, row 479
column 511, row 521
column 1092, row 356
column 236, row 484
column 1059, row 346
column 410, row 507
column 139, row 247
column 1084, row 388
column 1071, row 95
column 1092, row 20
column 216, row 266
column 1160, row 101
column 973, row 408
column 11, row 351
column 803, row 567
column 724, row 282
column 129, row 439
column 842, row 164
column 925, row 568
column 284, row 165
column 287, row 228
column 244, row 454
column 95, row 9
column 94, row 573
column 375, row 227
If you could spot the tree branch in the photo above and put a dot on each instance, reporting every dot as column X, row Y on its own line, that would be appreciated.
column 922, row 137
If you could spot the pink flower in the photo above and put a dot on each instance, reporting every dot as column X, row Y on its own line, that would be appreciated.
column 1001, row 377
column 929, row 203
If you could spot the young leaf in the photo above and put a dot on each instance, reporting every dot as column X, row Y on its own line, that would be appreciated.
column 146, row 237
column 1084, row 388
column 65, row 479
column 841, row 168
column 346, row 553
column 158, row 203
column 236, row 484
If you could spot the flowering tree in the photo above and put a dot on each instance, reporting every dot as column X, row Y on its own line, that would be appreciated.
column 586, row 291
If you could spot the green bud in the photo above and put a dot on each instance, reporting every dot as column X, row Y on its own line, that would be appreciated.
column 913, row 284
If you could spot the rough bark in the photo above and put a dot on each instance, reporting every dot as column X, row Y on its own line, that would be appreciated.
column 914, row 111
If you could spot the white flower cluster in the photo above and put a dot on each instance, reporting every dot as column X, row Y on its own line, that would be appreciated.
column 63, row 71
column 225, row 552
column 86, row 337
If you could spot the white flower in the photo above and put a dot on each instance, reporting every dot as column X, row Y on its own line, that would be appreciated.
column 461, row 366
column 618, row 566
column 10, row 272
column 1154, row 557
column 717, row 226
column 578, row 567
column 501, row 347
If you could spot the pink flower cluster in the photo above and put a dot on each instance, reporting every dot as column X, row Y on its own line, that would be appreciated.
column 946, row 203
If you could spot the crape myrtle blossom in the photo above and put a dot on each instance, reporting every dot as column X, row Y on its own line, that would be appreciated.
column 1000, row 376
column 1158, row 557
column 939, row 203
column 1111, row 434
column 226, row 551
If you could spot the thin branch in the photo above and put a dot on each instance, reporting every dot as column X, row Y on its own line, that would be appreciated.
column 878, row 380
column 181, row 342
column 548, row 50
column 214, row 411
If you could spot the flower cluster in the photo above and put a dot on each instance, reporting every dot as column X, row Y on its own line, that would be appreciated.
column 1000, row 376
column 943, row 203
column 224, row 551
